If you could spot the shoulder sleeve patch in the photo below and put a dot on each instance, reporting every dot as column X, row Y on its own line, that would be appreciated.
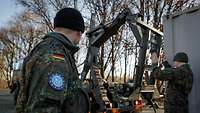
column 56, row 81
column 56, row 57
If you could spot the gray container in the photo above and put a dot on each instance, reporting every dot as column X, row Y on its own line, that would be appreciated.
column 182, row 33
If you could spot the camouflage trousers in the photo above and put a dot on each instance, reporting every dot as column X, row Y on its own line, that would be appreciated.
column 43, row 106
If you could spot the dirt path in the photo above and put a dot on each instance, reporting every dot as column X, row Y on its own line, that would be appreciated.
column 6, row 102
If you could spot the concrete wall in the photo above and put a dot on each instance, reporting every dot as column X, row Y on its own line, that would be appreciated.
column 182, row 33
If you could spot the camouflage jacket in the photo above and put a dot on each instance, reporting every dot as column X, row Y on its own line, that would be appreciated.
column 180, row 82
column 49, row 76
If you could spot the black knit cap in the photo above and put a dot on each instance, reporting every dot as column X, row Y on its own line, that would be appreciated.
column 69, row 18
column 181, row 57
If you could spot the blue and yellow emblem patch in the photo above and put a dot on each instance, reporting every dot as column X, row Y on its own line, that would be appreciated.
column 56, row 81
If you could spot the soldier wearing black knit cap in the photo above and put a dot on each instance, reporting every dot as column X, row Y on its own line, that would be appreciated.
column 180, row 80
column 50, row 81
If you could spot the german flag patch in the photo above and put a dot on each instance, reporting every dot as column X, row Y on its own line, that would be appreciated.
column 57, row 57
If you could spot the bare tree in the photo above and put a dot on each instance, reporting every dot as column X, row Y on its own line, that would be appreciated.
column 26, row 31
column 46, row 9
column 106, row 11
column 18, row 40
column 40, row 8
column 7, row 57
column 154, row 10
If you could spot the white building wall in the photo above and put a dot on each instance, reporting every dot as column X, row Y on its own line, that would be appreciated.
column 182, row 33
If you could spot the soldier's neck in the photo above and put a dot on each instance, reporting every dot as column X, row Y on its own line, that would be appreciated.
column 180, row 64
column 66, row 33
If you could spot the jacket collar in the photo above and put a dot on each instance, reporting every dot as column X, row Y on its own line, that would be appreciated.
column 65, row 41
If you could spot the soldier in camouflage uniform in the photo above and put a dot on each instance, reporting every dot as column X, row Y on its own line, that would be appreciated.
column 180, row 79
column 50, row 78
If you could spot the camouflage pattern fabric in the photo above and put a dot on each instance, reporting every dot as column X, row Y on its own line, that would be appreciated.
column 179, row 86
column 49, row 76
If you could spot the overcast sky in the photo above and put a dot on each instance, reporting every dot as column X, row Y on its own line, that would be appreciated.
column 8, row 9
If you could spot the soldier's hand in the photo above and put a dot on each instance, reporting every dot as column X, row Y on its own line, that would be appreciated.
column 163, row 56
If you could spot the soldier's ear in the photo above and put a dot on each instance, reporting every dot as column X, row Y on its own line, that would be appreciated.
column 78, row 33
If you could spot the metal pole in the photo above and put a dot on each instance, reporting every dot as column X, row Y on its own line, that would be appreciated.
column 142, row 55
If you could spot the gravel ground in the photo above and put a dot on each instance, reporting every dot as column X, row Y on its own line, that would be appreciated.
column 150, row 110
